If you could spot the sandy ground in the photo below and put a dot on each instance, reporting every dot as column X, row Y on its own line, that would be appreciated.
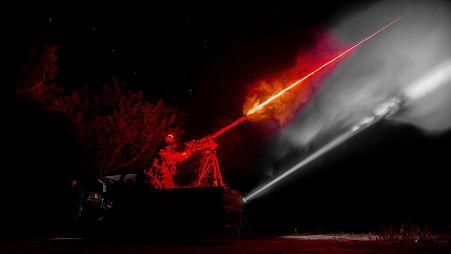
column 332, row 237
column 355, row 237
column 347, row 243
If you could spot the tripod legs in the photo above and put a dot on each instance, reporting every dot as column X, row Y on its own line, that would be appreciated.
column 210, row 174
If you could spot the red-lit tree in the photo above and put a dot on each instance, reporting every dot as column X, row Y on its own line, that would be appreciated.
column 119, row 129
column 38, row 74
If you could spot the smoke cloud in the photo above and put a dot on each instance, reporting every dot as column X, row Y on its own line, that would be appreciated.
column 285, row 107
column 387, row 66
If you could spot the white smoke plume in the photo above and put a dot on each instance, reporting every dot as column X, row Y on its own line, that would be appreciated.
column 386, row 66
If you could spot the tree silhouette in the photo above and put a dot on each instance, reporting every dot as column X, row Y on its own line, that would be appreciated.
column 119, row 129
column 38, row 74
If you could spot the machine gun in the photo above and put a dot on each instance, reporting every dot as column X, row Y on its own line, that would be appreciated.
column 209, row 171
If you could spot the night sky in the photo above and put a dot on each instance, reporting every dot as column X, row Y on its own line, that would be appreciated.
column 199, row 57
column 202, row 58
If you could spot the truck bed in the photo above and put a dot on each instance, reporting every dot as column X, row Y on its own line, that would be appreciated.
column 176, row 212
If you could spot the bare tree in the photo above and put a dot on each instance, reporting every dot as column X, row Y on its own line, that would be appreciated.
column 118, row 128
column 38, row 74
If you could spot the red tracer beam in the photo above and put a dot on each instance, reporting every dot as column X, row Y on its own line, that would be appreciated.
column 270, row 99
column 230, row 126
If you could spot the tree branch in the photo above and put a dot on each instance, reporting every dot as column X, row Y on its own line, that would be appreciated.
column 114, row 156
column 130, row 162
column 40, row 83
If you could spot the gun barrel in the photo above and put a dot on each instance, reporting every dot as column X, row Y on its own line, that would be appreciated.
column 228, row 127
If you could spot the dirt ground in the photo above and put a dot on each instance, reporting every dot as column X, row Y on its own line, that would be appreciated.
column 244, row 245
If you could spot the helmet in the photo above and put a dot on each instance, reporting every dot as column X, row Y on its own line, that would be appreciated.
column 169, row 139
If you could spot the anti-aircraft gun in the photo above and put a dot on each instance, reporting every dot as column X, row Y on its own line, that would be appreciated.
column 208, row 173
column 204, row 207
